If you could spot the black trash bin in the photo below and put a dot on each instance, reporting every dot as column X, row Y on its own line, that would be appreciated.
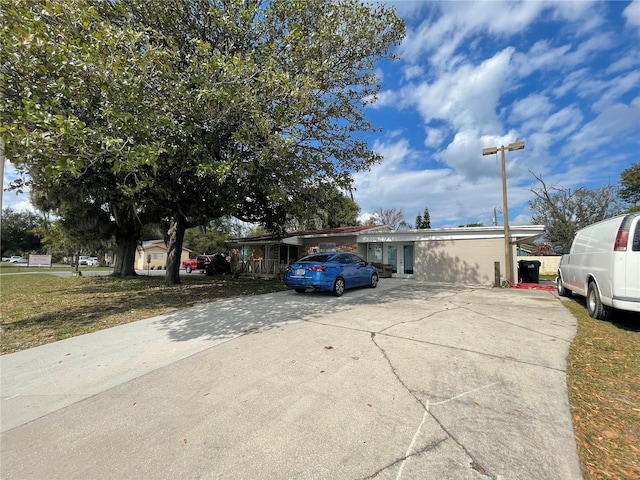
column 529, row 271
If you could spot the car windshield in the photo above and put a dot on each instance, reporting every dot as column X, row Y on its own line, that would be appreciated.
column 319, row 258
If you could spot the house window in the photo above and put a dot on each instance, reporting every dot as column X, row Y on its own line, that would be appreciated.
column 327, row 247
column 374, row 252
column 158, row 256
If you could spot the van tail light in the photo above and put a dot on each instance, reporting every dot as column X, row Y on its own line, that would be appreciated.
column 621, row 241
column 622, row 238
column 318, row 268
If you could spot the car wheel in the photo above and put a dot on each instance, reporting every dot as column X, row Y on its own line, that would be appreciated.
column 562, row 291
column 188, row 268
column 338, row 287
column 595, row 308
column 374, row 280
column 300, row 290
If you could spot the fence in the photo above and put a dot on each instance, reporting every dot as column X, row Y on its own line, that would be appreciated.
column 258, row 267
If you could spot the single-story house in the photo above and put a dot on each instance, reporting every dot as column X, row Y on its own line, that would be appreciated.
column 464, row 255
column 153, row 255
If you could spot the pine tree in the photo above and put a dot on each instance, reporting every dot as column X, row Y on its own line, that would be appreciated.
column 424, row 221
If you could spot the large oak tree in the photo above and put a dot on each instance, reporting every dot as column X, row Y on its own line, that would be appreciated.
column 189, row 110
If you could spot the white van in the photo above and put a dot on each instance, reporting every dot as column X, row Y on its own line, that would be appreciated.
column 603, row 265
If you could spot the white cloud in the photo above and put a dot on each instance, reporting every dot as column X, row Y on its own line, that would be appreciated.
column 563, row 122
column 624, row 63
column 632, row 14
column 452, row 23
column 385, row 98
column 464, row 98
column 412, row 71
column 599, row 132
column 17, row 201
column 541, row 56
column 587, row 48
column 434, row 137
column 571, row 82
column 615, row 88
column 11, row 198
column 451, row 199
column 533, row 107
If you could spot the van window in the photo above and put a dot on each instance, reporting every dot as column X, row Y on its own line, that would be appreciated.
column 635, row 245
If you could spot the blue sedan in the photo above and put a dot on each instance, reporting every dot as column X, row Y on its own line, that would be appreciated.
column 331, row 271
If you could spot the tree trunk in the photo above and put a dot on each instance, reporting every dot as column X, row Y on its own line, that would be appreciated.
column 127, row 237
column 178, row 226
column 126, row 248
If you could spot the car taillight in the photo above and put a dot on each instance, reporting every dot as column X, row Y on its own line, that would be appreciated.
column 621, row 241
column 319, row 268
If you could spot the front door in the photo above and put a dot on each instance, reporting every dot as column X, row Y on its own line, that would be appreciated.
column 400, row 257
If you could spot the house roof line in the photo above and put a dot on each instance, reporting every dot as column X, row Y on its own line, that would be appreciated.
column 329, row 232
column 520, row 233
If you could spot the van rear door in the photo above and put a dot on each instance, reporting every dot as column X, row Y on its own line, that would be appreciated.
column 633, row 261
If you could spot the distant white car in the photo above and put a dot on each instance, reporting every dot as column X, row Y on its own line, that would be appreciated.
column 88, row 261
column 17, row 259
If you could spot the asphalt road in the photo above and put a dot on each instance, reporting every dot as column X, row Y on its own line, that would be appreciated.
column 407, row 381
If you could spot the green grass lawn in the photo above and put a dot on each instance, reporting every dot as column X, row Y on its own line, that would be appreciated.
column 603, row 368
column 39, row 308
column 6, row 267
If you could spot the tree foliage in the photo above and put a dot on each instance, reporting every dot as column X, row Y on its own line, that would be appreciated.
column 424, row 220
column 320, row 206
column 19, row 232
column 629, row 190
column 209, row 238
column 564, row 211
column 190, row 110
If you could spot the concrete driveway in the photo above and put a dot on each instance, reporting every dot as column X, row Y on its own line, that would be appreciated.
column 407, row 381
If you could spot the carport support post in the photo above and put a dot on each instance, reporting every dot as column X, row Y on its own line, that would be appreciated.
column 496, row 273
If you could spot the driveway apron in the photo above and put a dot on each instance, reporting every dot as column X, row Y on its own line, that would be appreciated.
column 405, row 381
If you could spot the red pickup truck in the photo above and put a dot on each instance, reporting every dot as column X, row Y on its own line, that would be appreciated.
column 201, row 262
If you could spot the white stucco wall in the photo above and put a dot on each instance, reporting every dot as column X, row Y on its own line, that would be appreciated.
column 468, row 262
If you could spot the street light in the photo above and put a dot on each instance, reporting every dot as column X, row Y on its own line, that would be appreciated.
column 508, row 257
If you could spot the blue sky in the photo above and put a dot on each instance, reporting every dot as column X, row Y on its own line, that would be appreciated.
column 562, row 76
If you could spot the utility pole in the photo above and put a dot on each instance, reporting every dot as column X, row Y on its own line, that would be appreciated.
column 508, row 255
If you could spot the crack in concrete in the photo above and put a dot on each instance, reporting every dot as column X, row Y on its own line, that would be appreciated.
column 426, row 448
column 513, row 324
column 417, row 319
column 463, row 394
column 473, row 462
column 442, row 345
column 484, row 354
